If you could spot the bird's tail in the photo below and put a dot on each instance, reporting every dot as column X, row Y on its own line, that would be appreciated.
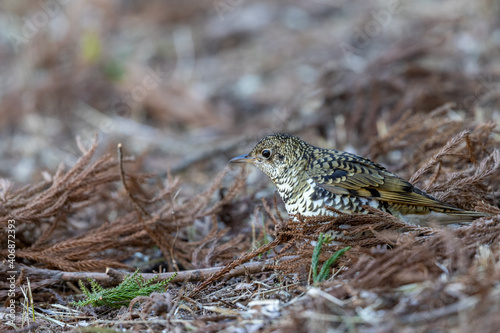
column 448, row 217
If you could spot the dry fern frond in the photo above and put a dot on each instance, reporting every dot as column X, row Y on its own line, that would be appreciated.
column 63, row 222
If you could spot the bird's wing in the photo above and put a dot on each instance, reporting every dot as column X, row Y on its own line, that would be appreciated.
column 345, row 173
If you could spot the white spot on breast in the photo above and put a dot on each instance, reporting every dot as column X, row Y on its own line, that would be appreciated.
column 284, row 188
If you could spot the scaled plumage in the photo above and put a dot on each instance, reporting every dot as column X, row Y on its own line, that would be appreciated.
column 309, row 178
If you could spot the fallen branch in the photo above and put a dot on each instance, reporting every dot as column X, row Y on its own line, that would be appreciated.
column 113, row 276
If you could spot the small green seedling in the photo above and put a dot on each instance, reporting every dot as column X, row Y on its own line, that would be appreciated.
column 324, row 273
column 132, row 286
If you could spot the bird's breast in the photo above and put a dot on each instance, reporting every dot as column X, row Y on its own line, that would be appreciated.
column 306, row 197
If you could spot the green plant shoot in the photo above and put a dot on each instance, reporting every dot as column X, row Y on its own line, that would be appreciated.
column 132, row 286
column 325, row 269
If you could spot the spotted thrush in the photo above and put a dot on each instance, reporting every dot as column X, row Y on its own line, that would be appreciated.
column 309, row 179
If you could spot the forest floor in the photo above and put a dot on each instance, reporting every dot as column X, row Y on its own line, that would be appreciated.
column 118, row 120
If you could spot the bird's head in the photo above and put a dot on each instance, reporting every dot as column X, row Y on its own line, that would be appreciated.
column 275, row 154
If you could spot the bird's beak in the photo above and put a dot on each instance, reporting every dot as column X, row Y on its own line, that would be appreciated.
column 242, row 159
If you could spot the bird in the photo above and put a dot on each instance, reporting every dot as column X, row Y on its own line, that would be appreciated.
column 310, row 179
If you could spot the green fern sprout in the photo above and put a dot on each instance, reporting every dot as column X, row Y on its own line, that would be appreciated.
column 325, row 269
column 132, row 286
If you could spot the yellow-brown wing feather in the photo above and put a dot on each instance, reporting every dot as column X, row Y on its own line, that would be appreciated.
column 344, row 173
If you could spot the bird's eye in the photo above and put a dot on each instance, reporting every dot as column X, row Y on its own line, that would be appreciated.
column 266, row 153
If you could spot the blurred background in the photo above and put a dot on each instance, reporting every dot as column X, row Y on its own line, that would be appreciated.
column 187, row 85
column 191, row 84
